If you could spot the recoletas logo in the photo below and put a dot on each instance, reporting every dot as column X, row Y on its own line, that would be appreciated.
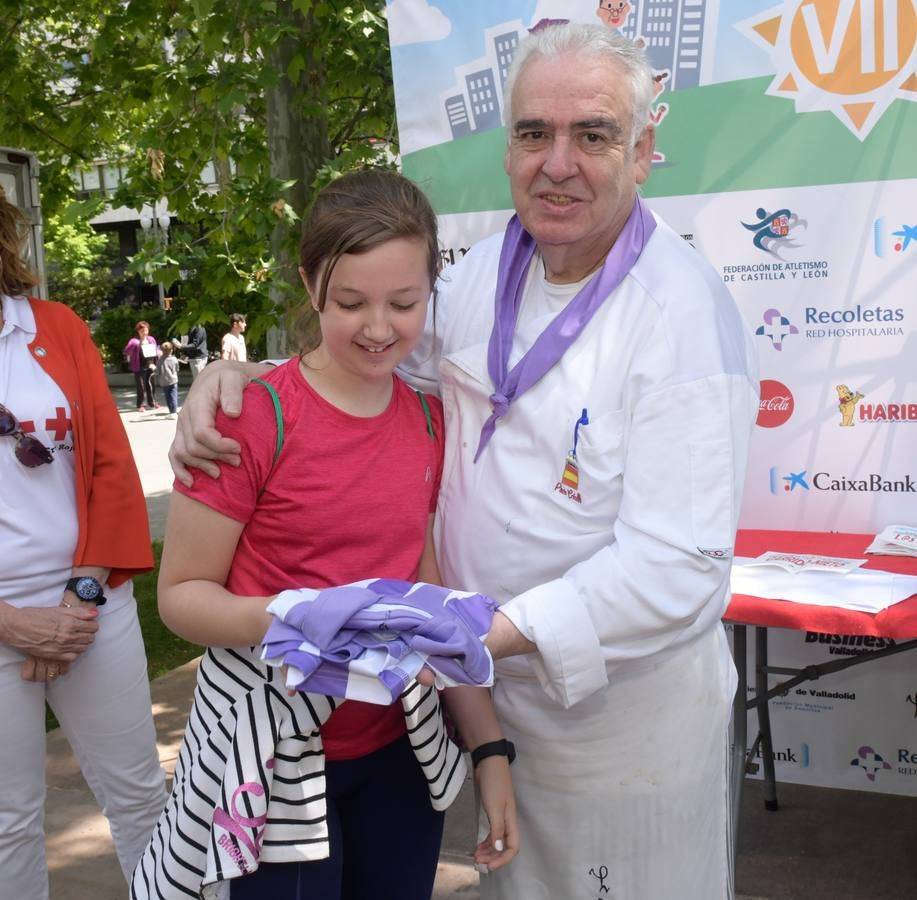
column 777, row 327
column 869, row 761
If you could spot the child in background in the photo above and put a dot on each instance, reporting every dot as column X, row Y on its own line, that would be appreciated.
column 167, row 376
column 337, row 481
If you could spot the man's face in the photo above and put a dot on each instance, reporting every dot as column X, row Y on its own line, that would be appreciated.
column 572, row 171
column 238, row 327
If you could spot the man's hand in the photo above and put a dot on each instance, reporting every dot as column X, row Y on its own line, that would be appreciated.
column 504, row 639
column 197, row 443
column 58, row 633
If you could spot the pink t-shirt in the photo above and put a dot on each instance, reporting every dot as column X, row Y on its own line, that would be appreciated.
column 349, row 498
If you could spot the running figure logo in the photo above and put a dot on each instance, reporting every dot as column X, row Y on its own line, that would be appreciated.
column 774, row 230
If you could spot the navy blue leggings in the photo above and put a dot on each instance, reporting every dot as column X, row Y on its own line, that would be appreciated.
column 385, row 836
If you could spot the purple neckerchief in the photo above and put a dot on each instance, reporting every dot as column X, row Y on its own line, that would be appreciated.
column 515, row 256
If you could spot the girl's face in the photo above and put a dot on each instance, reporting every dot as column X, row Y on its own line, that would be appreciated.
column 142, row 332
column 375, row 308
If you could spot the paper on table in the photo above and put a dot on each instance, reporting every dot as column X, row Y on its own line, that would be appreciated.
column 895, row 540
column 864, row 590
column 806, row 562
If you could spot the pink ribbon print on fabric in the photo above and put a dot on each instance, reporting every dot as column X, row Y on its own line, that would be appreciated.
column 236, row 823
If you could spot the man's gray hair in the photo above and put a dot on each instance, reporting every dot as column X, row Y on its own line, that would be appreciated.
column 586, row 41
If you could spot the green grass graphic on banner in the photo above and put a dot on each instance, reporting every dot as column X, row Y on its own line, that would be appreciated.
column 722, row 137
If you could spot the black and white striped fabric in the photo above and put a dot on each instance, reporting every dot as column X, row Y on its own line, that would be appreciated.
column 249, row 782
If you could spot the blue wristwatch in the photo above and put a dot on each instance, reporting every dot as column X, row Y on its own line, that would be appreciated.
column 87, row 589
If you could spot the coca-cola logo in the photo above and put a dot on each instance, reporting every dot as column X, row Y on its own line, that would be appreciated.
column 776, row 405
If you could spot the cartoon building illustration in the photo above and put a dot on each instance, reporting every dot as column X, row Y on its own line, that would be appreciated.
column 475, row 101
column 457, row 113
column 675, row 32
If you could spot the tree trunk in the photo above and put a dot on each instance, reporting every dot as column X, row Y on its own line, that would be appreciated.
column 298, row 145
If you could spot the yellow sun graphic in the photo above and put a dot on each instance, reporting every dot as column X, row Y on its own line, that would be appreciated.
column 849, row 57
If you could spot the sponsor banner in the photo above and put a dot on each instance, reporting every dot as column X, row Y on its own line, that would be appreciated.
column 855, row 729
column 784, row 154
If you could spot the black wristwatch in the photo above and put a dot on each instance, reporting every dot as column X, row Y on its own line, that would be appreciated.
column 493, row 748
column 87, row 588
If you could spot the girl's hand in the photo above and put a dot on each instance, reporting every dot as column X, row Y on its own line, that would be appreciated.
column 496, row 789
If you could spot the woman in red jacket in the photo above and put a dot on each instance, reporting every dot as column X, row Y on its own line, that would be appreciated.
column 73, row 530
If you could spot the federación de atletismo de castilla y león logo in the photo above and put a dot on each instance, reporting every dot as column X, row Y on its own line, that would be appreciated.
column 848, row 57
column 774, row 230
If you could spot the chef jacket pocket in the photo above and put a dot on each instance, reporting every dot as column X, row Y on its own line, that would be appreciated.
column 711, row 497
column 600, row 453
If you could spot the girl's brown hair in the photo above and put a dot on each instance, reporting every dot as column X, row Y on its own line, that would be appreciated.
column 362, row 210
column 15, row 275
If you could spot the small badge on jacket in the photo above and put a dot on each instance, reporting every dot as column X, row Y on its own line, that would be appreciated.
column 569, row 480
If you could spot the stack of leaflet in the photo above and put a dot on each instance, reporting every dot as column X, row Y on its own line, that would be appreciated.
column 895, row 540
column 820, row 581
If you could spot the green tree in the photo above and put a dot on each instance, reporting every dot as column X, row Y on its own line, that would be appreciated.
column 79, row 264
column 275, row 95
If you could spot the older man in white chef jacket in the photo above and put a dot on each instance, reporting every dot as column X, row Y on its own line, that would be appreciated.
column 600, row 390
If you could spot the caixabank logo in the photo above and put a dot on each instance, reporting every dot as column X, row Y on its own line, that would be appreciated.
column 852, row 58
column 800, row 482
column 892, row 239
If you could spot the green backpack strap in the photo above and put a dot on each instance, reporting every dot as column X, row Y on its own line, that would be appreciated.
column 278, row 412
column 426, row 412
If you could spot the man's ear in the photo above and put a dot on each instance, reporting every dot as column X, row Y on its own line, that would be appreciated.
column 643, row 153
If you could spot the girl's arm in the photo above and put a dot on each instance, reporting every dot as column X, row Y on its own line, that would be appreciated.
column 428, row 570
column 472, row 710
column 199, row 547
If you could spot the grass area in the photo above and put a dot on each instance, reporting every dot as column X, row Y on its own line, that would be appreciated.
column 164, row 650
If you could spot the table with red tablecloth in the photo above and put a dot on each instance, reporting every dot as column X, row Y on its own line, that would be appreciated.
column 898, row 621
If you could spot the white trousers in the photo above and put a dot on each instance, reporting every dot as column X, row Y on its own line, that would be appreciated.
column 197, row 366
column 103, row 706
column 624, row 796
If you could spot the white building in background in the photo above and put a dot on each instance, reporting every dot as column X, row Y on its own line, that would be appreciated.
column 677, row 33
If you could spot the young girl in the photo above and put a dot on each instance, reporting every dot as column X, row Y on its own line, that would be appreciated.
column 348, row 495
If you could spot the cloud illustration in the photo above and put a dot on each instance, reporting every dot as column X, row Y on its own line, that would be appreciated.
column 415, row 22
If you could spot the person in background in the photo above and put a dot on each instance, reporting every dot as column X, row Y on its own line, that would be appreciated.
column 141, row 353
column 233, row 346
column 600, row 390
column 73, row 530
column 167, row 377
column 195, row 350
